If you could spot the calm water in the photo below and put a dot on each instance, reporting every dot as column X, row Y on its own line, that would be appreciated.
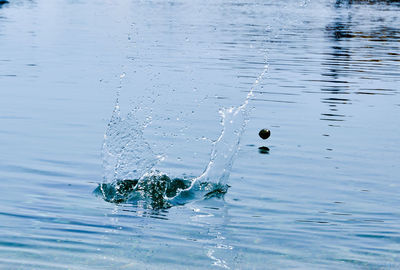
column 326, row 196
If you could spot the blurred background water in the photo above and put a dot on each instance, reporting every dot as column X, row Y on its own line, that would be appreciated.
column 326, row 195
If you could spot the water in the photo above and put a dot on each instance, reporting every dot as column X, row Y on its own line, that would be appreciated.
column 129, row 161
column 325, row 195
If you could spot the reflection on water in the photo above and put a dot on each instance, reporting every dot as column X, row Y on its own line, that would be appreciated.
column 340, row 3
column 362, row 47
column 263, row 150
column 318, row 194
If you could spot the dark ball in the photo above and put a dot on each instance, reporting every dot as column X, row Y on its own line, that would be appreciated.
column 264, row 134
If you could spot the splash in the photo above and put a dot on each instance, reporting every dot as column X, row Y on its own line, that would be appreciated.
column 157, row 191
column 225, row 148
column 126, row 154
column 129, row 163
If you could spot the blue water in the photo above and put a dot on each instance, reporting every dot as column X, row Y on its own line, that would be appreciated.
column 324, row 77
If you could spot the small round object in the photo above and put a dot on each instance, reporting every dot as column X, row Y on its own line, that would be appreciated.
column 264, row 133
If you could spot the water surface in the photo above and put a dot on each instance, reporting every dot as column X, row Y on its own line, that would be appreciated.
column 325, row 195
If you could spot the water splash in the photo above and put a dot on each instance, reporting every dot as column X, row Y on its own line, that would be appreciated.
column 225, row 148
column 129, row 162
column 126, row 154
column 156, row 190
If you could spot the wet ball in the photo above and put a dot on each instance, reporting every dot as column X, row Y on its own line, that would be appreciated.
column 264, row 134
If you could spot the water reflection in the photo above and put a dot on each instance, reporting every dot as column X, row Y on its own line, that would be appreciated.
column 3, row 2
column 335, row 68
column 138, row 211
column 362, row 47
column 263, row 150
column 280, row 208
column 340, row 3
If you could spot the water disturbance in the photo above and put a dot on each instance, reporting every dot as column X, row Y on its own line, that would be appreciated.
column 184, row 181
column 129, row 162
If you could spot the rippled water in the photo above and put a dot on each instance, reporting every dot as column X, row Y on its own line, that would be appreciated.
column 325, row 195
